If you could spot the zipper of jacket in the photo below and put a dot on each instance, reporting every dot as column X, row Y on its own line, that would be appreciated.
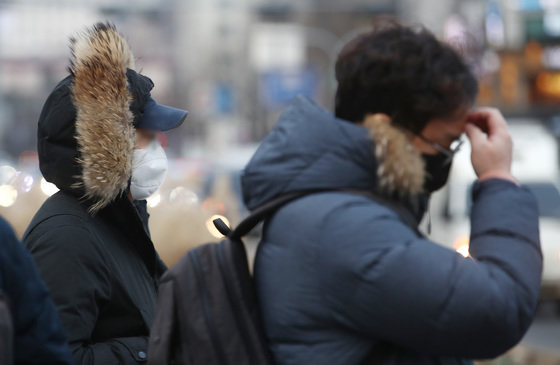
column 236, row 307
column 201, row 284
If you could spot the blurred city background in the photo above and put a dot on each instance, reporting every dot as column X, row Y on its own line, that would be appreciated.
column 235, row 64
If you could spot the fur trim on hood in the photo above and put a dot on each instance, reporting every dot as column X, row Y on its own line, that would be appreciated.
column 310, row 149
column 400, row 167
column 104, row 122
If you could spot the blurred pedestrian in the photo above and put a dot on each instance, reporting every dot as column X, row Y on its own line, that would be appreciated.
column 6, row 332
column 97, row 143
column 30, row 330
column 345, row 279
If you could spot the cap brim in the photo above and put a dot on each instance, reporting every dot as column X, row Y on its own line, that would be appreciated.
column 158, row 117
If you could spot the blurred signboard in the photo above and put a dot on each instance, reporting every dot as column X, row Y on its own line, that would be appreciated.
column 275, row 46
column 529, row 5
column 224, row 98
column 277, row 88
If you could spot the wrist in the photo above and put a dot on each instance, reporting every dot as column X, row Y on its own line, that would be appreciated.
column 497, row 174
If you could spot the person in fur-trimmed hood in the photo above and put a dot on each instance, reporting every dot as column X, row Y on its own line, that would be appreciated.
column 97, row 142
column 345, row 279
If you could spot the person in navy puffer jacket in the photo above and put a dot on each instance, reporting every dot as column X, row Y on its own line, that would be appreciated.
column 38, row 337
column 341, row 279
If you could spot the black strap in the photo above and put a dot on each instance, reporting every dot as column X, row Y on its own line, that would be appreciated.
column 263, row 211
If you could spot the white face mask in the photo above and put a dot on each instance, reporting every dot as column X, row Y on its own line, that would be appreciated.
column 149, row 167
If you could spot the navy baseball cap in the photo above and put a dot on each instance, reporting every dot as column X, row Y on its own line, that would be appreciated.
column 148, row 114
column 158, row 117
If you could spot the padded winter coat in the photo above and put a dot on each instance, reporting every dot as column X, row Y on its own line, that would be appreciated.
column 342, row 280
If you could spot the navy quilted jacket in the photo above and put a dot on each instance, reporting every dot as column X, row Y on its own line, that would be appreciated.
column 342, row 280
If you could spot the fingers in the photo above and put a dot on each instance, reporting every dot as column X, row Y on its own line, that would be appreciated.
column 475, row 134
column 489, row 120
column 491, row 153
column 480, row 121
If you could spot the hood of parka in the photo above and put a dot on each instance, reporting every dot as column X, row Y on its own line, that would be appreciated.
column 309, row 148
column 86, row 134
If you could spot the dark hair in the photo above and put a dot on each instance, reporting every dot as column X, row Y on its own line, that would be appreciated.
column 403, row 72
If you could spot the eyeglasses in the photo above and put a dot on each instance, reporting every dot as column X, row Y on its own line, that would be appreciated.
column 449, row 152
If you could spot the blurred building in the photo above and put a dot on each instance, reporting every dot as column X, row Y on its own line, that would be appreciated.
column 235, row 64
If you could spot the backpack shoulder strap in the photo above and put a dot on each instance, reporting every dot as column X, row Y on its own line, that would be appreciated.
column 263, row 211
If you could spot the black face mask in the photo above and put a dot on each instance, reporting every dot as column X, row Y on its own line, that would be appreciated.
column 437, row 171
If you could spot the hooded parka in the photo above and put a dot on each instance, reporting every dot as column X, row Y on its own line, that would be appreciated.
column 342, row 280
column 90, row 242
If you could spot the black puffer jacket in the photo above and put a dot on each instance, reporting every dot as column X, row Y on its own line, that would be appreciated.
column 89, row 240
column 102, row 273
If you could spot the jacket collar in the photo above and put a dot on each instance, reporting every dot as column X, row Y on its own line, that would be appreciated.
column 131, row 221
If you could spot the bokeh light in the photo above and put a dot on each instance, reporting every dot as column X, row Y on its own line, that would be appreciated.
column 7, row 174
column 154, row 200
column 48, row 188
column 212, row 228
column 182, row 195
column 8, row 195
column 461, row 245
column 27, row 183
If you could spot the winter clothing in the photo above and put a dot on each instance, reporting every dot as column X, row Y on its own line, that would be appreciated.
column 102, row 272
column 6, row 332
column 89, row 240
column 38, row 337
column 342, row 280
